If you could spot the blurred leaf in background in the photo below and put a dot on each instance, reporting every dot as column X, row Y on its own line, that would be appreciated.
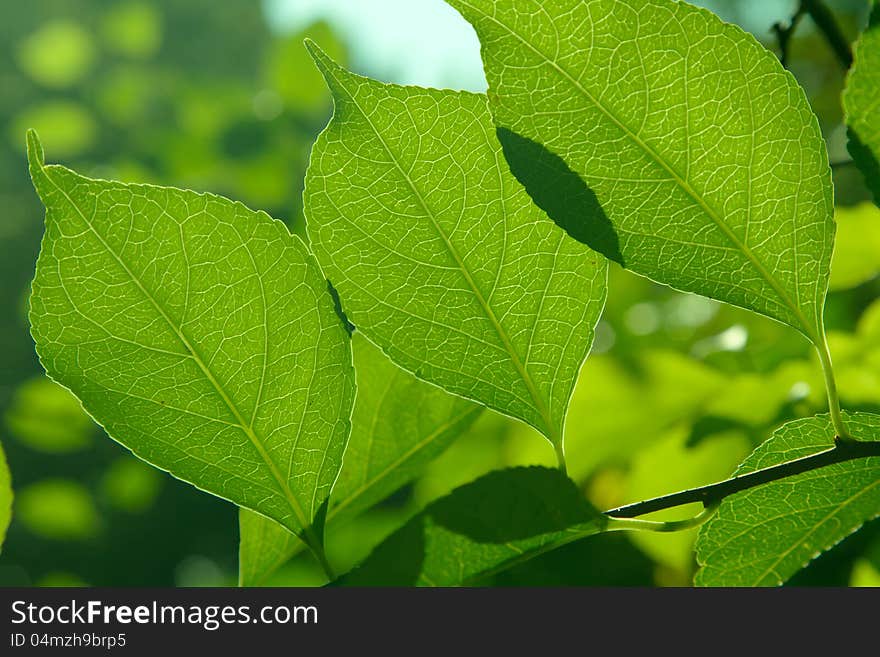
column 48, row 418
column 179, row 92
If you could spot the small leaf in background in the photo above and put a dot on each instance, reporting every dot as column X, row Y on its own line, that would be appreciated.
column 671, row 142
column 57, row 55
column 59, row 579
column 130, row 485
column 505, row 517
column 861, row 103
column 305, row 91
column 399, row 424
column 664, row 385
column 133, row 29
column 762, row 536
column 857, row 245
column 199, row 334
column 864, row 574
column 68, row 128
column 5, row 496
column 438, row 254
column 58, row 509
column 48, row 418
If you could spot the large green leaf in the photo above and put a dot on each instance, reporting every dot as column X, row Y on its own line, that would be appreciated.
column 861, row 102
column 399, row 424
column 762, row 536
column 501, row 519
column 199, row 333
column 668, row 140
column 5, row 496
column 439, row 255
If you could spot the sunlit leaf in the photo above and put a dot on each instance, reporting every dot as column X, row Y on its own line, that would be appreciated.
column 438, row 254
column 671, row 142
column 762, row 536
column 199, row 334
column 398, row 425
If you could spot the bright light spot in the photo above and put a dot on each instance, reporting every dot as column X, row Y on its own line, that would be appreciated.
column 689, row 310
column 199, row 571
column 733, row 339
column 799, row 390
column 267, row 105
column 642, row 318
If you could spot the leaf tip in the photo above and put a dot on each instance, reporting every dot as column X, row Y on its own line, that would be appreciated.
column 322, row 60
column 36, row 158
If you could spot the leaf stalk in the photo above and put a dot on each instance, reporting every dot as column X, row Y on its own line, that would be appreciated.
column 831, row 387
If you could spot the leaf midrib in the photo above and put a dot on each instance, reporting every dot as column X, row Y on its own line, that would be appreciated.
column 248, row 431
column 682, row 182
column 552, row 433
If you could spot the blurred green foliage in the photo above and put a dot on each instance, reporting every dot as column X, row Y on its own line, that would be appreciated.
column 188, row 93
column 203, row 95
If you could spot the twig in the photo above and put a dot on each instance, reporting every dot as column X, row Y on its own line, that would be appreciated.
column 825, row 22
column 843, row 450
column 830, row 29
column 785, row 32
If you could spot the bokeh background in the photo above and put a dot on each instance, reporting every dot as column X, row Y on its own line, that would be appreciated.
column 222, row 97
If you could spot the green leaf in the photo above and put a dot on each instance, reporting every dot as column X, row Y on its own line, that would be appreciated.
column 861, row 104
column 199, row 334
column 440, row 257
column 668, row 140
column 5, row 496
column 502, row 518
column 763, row 536
column 399, row 424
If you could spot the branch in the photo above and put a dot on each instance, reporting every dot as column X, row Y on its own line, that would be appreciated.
column 827, row 24
column 785, row 32
column 843, row 450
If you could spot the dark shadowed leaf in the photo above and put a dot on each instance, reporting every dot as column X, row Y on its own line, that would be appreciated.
column 501, row 519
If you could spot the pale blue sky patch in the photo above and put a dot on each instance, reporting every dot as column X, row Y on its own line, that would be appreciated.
column 421, row 42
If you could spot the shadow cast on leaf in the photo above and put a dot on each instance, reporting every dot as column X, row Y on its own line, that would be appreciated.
column 502, row 507
column 561, row 193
